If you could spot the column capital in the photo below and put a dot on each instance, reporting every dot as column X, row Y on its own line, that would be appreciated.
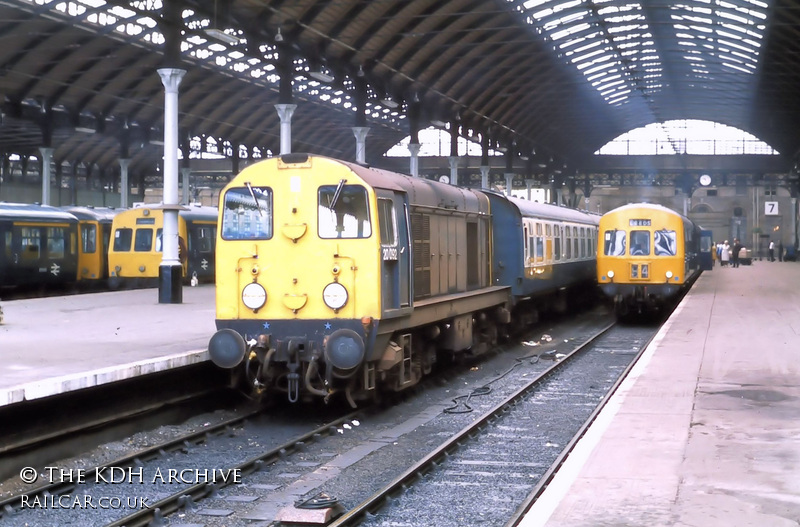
column 361, row 132
column 171, row 78
column 285, row 111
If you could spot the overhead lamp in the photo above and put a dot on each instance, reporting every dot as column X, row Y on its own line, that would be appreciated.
column 320, row 75
column 389, row 103
column 225, row 38
column 85, row 130
column 360, row 72
column 438, row 123
column 278, row 36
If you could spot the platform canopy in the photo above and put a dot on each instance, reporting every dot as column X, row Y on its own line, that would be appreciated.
column 550, row 78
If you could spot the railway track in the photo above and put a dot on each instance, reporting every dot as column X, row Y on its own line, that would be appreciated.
column 352, row 464
column 60, row 426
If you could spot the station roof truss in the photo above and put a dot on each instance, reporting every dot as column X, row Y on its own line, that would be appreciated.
column 550, row 78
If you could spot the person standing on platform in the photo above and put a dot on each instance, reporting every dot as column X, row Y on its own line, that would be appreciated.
column 714, row 254
column 737, row 247
column 725, row 254
column 771, row 251
column 780, row 251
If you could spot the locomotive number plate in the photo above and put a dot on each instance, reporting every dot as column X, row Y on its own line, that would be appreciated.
column 639, row 223
column 389, row 253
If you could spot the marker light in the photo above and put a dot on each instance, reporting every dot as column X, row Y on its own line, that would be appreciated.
column 254, row 296
column 334, row 295
column 611, row 274
column 669, row 274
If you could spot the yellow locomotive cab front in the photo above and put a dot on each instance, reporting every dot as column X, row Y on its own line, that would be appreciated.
column 296, row 256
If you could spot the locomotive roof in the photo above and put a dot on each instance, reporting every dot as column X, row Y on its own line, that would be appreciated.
column 34, row 212
column 420, row 191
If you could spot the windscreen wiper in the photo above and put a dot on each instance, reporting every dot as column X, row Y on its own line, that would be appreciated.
column 253, row 195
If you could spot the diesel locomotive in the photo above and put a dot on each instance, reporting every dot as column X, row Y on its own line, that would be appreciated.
column 649, row 255
column 333, row 277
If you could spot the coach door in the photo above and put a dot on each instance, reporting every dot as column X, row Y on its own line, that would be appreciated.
column 395, row 258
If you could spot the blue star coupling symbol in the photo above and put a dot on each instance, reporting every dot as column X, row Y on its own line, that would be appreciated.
column 327, row 325
column 266, row 325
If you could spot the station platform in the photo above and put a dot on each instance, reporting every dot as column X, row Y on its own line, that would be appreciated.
column 58, row 344
column 705, row 431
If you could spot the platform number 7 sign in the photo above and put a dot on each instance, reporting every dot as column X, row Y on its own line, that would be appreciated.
column 770, row 208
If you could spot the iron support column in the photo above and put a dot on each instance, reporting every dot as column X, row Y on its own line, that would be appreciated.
column 170, row 272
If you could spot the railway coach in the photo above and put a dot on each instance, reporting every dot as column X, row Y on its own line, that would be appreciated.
column 38, row 246
column 333, row 277
column 135, row 253
column 94, row 229
column 649, row 255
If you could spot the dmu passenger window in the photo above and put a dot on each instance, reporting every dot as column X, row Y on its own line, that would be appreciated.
column 666, row 243
column 122, row 240
column 614, row 243
column 640, row 243
column 247, row 213
column 31, row 243
column 343, row 212
column 56, row 242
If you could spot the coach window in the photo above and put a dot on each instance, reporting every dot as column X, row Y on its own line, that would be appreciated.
column 122, row 240
column 56, row 242
column 575, row 242
column 614, row 243
column 583, row 242
column 557, row 233
column 568, row 243
column 539, row 250
column 343, row 211
column 666, row 243
column 31, row 243
column 247, row 213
